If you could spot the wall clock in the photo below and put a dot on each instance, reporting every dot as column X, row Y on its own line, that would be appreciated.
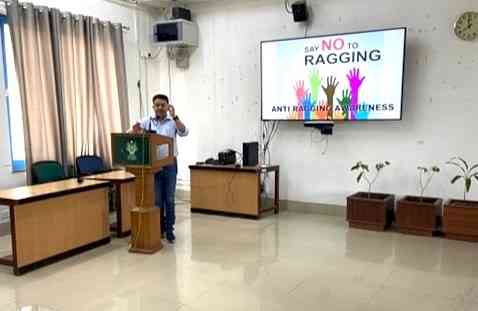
column 466, row 27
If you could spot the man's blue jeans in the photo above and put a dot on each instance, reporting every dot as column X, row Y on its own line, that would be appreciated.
column 165, row 189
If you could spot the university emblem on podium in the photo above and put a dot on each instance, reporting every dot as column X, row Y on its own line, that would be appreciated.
column 131, row 149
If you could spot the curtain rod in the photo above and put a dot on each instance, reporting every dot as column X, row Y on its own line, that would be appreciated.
column 76, row 16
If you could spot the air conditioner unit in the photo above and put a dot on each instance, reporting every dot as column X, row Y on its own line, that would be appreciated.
column 176, row 32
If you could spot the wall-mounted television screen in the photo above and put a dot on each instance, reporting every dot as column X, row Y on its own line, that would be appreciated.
column 342, row 77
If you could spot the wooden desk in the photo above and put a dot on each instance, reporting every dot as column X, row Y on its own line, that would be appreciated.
column 230, row 190
column 55, row 220
column 125, row 194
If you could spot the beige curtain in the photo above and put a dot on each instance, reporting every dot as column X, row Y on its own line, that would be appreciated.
column 95, row 85
column 73, row 82
column 31, row 38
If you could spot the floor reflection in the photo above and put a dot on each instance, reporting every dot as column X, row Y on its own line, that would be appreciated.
column 281, row 262
column 369, row 246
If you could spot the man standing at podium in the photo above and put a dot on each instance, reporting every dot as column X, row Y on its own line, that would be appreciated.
column 165, row 179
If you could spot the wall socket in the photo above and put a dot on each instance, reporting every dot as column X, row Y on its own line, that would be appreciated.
column 146, row 55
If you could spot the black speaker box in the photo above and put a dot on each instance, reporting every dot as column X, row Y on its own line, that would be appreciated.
column 250, row 154
column 299, row 10
column 181, row 13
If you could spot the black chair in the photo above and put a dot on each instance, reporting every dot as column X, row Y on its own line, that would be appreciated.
column 47, row 171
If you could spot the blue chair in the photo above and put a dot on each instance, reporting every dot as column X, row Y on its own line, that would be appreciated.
column 87, row 165
column 47, row 171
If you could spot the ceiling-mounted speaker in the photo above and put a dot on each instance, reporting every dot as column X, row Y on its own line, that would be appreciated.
column 299, row 10
column 181, row 13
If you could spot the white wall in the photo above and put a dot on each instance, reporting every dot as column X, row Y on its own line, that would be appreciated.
column 219, row 96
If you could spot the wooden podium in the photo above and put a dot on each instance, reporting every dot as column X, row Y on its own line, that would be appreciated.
column 143, row 155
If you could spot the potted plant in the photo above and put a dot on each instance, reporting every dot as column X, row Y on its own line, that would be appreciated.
column 370, row 210
column 460, row 219
column 418, row 214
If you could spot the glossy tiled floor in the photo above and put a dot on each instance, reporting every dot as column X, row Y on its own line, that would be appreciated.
column 289, row 262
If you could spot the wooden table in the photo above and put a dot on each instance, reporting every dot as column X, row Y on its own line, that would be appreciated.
column 231, row 190
column 55, row 220
column 125, row 187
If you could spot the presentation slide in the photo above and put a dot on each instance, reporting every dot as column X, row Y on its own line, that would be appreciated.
column 349, row 77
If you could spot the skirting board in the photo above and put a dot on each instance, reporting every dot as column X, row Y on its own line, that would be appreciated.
column 314, row 208
column 293, row 206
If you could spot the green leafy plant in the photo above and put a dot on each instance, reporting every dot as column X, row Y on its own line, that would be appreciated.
column 364, row 171
column 425, row 175
column 466, row 172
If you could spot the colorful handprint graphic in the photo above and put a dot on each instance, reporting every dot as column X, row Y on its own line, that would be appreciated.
column 308, row 105
column 300, row 92
column 355, row 83
column 329, row 90
column 345, row 104
column 311, row 107
column 314, row 80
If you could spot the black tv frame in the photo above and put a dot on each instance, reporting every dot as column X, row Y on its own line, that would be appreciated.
column 339, row 34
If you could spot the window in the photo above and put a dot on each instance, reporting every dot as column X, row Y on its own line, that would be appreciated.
column 12, row 98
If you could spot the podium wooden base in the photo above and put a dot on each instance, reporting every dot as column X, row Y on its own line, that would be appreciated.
column 145, row 230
